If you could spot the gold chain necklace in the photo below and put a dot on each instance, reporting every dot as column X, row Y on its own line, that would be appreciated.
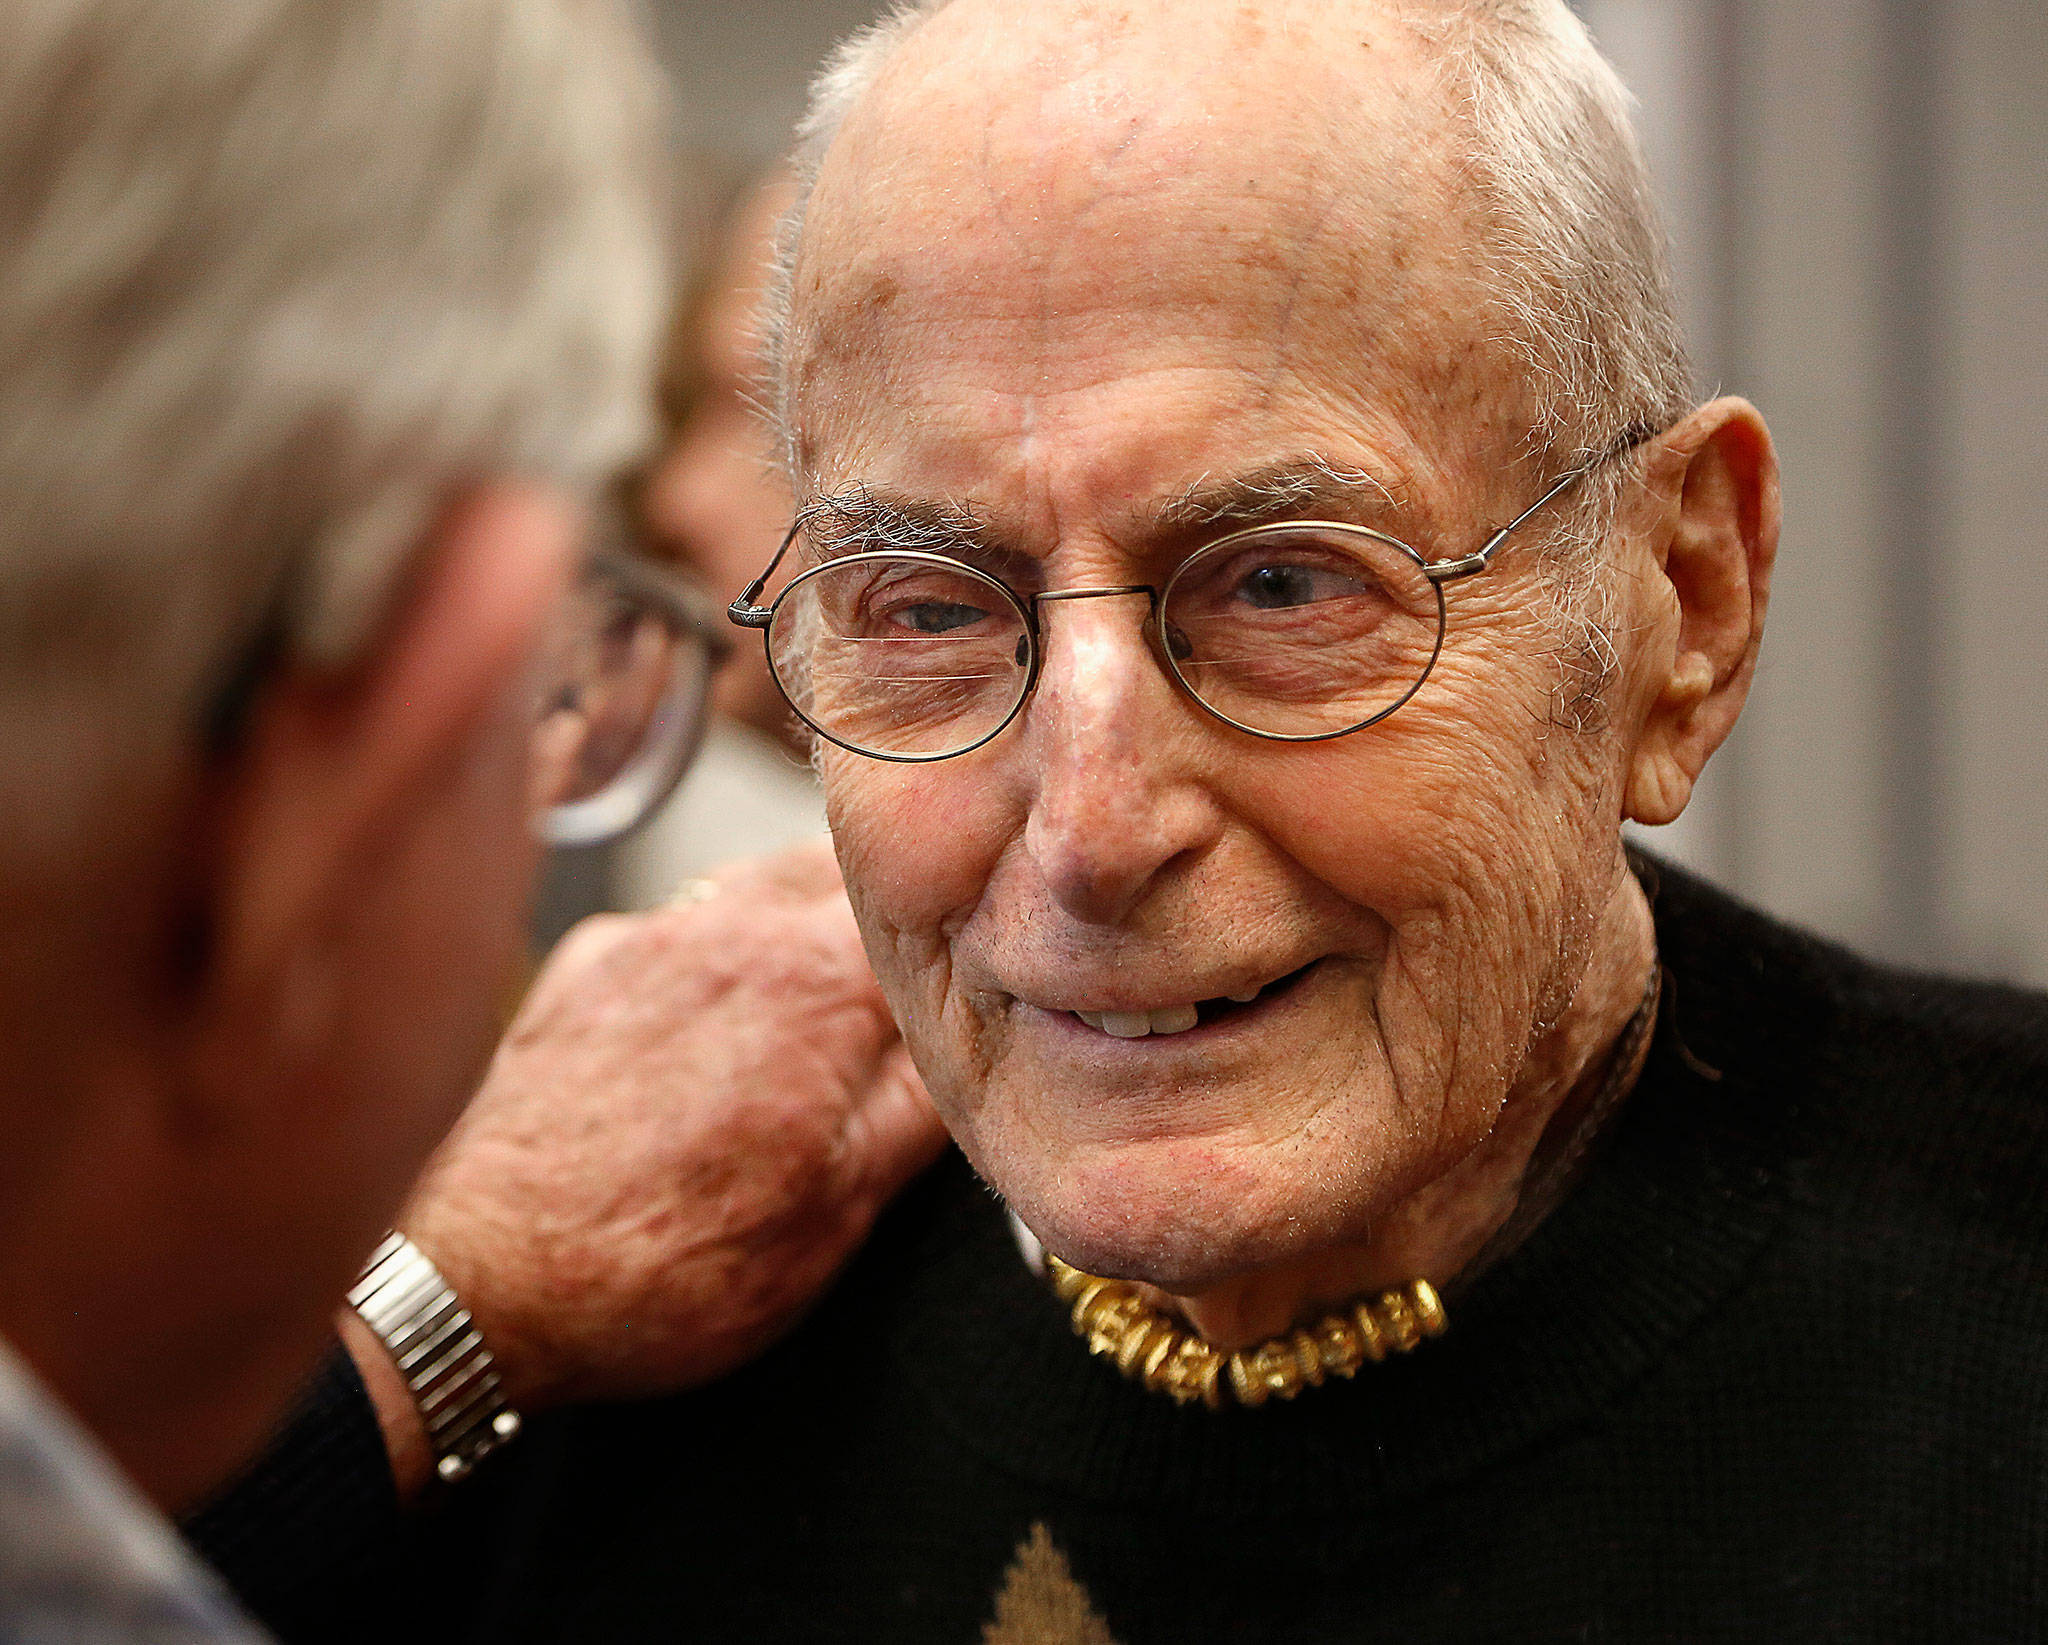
column 1116, row 1321
column 1119, row 1324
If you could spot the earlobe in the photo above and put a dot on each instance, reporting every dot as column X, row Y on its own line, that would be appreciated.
column 1661, row 777
column 1659, row 789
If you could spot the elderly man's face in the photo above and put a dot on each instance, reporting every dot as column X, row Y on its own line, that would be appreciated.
column 1062, row 270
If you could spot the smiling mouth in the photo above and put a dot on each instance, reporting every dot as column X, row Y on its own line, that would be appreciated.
column 1178, row 1019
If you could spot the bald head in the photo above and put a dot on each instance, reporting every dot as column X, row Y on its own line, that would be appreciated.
column 1426, row 156
column 1039, row 175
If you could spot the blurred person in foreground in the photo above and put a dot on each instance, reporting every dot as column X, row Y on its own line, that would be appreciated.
column 1257, row 543
column 715, row 500
column 319, row 326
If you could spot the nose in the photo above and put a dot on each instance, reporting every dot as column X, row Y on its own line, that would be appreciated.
column 1117, row 803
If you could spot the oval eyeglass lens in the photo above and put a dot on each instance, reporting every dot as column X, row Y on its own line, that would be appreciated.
column 624, row 683
column 1302, row 631
column 900, row 655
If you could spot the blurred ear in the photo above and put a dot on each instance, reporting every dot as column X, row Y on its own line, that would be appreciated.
column 357, row 864
column 334, row 763
column 1714, row 539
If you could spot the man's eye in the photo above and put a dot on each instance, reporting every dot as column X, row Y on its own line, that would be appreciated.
column 938, row 617
column 1277, row 587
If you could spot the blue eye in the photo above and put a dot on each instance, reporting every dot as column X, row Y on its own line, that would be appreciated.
column 1274, row 586
column 935, row 617
column 1278, row 587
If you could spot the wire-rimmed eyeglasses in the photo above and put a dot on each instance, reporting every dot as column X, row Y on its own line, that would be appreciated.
column 1294, row 631
column 622, row 698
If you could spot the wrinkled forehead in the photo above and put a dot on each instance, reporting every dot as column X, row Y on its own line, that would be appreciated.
column 1039, row 198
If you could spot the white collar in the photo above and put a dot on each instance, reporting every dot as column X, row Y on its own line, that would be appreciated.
column 1027, row 1243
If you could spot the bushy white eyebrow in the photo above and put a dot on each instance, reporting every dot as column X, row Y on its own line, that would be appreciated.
column 856, row 521
column 1293, row 488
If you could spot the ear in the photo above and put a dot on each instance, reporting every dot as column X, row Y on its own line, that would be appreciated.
column 332, row 761
column 1713, row 538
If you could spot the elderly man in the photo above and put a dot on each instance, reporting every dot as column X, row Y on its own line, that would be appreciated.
column 1258, row 546
column 318, row 326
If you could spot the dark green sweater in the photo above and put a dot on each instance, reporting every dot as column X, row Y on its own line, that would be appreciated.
column 1776, row 1370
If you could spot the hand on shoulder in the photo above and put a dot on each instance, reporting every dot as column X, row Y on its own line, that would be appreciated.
column 692, row 1123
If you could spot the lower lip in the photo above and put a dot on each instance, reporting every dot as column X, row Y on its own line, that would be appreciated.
column 1247, row 1018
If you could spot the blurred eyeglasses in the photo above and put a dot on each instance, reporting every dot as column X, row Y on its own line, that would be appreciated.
column 1297, row 631
column 623, row 697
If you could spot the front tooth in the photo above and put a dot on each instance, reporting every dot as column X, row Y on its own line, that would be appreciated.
column 1245, row 998
column 1092, row 1018
column 1127, row 1025
column 1174, row 1019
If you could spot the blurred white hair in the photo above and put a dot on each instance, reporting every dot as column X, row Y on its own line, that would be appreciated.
column 277, row 276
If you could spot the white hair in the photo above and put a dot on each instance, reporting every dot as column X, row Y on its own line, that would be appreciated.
column 1575, row 252
column 277, row 276
column 1579, row 273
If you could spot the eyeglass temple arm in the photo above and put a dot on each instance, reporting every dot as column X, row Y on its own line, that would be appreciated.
column 1445, row 571
column 743, row 612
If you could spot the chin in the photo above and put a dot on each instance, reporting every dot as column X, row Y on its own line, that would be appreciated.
column 1174, row 1216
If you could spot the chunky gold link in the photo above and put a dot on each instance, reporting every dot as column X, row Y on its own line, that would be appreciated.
column 1371, row 1332
column 1339, row 1346
column 1429, row 1308
column 1138, row 1343
column 1274, row 1365
column 1398, row 1319
column 1308, row 1357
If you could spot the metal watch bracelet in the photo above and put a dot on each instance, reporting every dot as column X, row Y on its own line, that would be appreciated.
column 439, row 1352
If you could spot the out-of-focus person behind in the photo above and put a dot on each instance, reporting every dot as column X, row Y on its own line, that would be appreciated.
column 713, row 500
column 319, row 328
column 308, row 345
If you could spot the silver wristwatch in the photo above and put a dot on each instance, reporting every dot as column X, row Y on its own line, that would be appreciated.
column 439, row 1352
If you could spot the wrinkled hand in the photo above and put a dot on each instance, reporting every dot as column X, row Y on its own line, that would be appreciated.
column 691, row 1125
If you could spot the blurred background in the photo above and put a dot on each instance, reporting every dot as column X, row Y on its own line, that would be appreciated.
column 1858, row 193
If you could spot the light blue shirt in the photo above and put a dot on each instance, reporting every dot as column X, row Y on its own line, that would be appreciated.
column 84, row 1560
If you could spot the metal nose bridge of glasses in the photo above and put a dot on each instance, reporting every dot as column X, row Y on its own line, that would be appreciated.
column 744, row 613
